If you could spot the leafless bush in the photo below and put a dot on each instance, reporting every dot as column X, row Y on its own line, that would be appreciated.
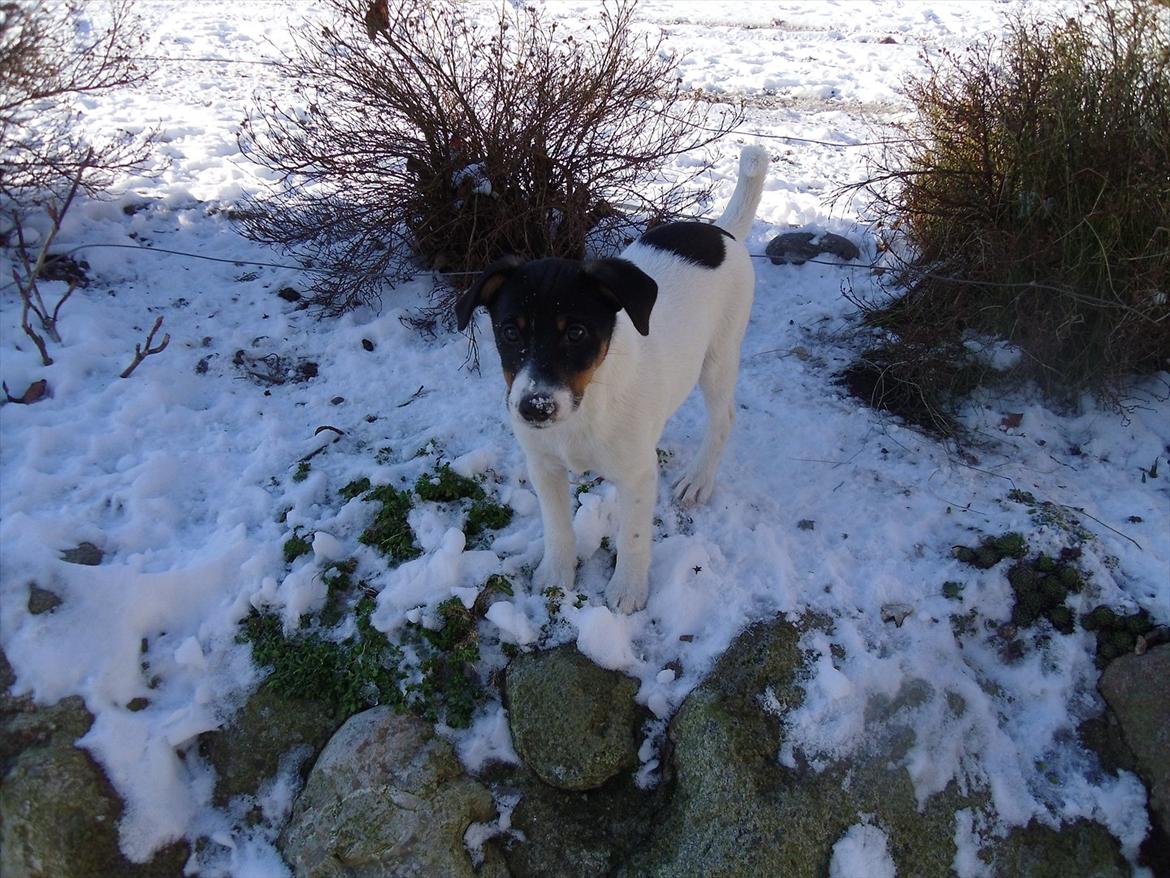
column 425, row 139
column 48, row 61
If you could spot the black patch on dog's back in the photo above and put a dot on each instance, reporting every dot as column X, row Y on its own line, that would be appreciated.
column 701, row 243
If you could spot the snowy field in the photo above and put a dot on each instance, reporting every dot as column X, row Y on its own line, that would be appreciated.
column 182, row 474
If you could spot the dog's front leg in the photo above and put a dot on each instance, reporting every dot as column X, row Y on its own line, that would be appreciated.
column 630, row 583
column 558, row 567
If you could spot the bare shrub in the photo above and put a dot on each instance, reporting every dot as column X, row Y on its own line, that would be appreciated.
column 48, row 62
column 1031, row 201
column 423, row 138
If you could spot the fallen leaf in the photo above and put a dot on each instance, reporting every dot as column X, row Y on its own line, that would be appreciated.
column 1012, row 420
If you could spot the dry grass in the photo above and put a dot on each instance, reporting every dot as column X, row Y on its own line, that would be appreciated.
column 1030, row 200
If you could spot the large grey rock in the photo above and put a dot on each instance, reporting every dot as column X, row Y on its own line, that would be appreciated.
column 1137, row 689
column 573, row 723
column 58, row 813
column 1084, row 849
column 386, row 799
column 269, row 728
column 570, row 834
column 736, row 811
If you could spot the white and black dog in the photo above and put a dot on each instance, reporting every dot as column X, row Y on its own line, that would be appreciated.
column 598, row 354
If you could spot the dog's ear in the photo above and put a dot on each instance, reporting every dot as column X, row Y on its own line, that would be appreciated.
column 485, row 288
column 627, row 286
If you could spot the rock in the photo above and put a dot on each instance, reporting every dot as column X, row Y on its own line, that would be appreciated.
column 571, row 834
column 799, row 247
column 794, row 247
column 250, row 748
column 736, row 811
column 1084, row 849
column 1143, row 712
column 838, row 246
column 387, row 798
column 573, row 723
column 41, row 600
column 27, row 726
column 289, row 294
column 83, row 553
column 58, row 813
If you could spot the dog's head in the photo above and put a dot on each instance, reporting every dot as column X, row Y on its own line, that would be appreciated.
column 553, row 320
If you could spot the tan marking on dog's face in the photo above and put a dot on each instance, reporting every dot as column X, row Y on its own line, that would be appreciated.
column 509, row 377
column 578, row 381
column 561, row 324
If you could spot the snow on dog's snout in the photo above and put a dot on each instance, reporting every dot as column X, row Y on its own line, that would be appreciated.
column 538, row 403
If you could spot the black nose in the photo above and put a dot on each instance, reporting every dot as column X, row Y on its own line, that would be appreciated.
column 538, row 408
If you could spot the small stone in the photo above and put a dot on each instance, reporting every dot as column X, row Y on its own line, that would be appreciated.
column 896, row 613
column 573, row 723
column 367, row 344
column 289, row 294
column 41, row 600
column 337, row 400
column 806, row 524
column 83, row 553
column 838, row 246
column 794, row 247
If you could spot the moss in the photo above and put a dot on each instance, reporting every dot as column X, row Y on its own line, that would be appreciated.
column 952, row 590
column 354, row 488
column 389, row 532
column 1116, row 634
column 992, row 550
column 486, row 514
column 445, row 486
column 302, row 472
column 1041, row 586
column 295, row 546
column 349, row 675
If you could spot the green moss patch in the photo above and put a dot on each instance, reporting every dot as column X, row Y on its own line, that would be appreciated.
column 389, row 532
column 992, row 550
column 355, row 488
column 1041, row 586
column 295, row 546
column 350, row 675
column 445, row 486
column 1117, row 633
column 486, row 514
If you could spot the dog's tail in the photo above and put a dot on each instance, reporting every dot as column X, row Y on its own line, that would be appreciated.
column 741, row 210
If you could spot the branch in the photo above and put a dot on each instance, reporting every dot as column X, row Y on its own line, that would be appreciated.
column 141, row 353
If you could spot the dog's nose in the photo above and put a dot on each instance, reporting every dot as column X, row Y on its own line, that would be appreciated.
column 538, row 408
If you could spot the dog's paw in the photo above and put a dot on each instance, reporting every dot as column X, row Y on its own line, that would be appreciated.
column 625, row 596
column 555, row 572
column 694, row 488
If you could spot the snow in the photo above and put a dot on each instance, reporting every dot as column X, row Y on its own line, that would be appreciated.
column 181, row 474
column 862, row 852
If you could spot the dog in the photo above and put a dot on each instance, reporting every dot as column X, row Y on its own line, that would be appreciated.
column 598, row 354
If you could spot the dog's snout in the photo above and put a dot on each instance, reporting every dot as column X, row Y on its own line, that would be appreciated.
column 537, row 408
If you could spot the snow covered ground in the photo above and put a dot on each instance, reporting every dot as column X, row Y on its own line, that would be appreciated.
column 181, row 474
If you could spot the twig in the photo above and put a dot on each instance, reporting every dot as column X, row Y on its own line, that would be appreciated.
column 418, row 393
column 141, row 352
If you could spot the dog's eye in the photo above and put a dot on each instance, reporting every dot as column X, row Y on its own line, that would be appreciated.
column 510, row 334
column 576, row 333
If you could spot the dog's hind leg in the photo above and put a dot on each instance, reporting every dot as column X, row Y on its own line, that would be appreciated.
column 717, row 381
